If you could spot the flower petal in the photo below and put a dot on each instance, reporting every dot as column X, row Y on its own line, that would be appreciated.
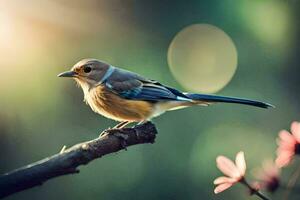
column 241, row 163
column 285, row 153
column 295, row 129
column 283, row 159
column 286, row 146
column 222, row 187
column 287, row 137
column 223, row 179
column 270, row 170
column 227, row 167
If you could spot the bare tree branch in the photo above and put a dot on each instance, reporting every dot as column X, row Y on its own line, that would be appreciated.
column 67, row 161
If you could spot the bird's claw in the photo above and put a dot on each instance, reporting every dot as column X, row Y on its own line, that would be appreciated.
column 108, row 131
column 104, row 133
column 63, row 149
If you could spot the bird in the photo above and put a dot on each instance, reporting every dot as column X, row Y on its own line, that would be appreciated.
column 128, row 97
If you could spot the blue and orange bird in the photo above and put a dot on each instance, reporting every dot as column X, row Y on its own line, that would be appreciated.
column 127, row 97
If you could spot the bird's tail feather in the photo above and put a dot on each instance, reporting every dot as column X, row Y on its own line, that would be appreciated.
column 224, row 99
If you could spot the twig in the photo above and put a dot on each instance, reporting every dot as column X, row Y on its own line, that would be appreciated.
column 253, row 190
column 67, row 161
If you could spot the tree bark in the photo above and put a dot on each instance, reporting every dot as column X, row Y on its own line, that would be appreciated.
column 68, row 160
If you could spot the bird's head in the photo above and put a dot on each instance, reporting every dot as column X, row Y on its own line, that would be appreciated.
column 87, row 72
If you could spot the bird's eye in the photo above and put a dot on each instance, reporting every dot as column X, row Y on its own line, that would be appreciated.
column 87, row 69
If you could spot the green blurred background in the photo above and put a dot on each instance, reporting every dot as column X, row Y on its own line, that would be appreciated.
column 40, row 112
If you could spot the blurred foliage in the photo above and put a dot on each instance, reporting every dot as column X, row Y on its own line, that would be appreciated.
column 40, row 112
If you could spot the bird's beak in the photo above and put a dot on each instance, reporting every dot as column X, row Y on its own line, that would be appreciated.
column 68, row 74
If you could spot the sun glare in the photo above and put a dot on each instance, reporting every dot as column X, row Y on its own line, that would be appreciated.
column 6, row 30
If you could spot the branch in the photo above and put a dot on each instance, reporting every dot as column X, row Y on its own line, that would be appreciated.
column 67, row 161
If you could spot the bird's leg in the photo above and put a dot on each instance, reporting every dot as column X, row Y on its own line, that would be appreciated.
column 121, row 125
column 63, row 149
column 142, row 122
column 118, row 126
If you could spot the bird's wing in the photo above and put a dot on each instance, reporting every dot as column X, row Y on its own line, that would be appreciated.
column 133, row 86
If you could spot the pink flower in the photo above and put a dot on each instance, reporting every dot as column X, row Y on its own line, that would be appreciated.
column 288, row 145
column 234, row 172
column 268, row 176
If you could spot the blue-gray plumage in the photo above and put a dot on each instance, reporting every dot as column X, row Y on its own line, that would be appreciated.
column 126, row 96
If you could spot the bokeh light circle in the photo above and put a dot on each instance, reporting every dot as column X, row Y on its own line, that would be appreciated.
column 202, row 58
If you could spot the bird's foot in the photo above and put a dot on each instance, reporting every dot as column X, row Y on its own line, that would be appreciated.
column 109, row 131
column 63, row 149
column 120, row 126
column 117, row 127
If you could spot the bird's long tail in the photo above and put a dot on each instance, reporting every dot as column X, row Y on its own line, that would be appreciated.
column 224, row 99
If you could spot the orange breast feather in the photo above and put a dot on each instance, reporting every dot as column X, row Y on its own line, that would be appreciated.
column 112, row 106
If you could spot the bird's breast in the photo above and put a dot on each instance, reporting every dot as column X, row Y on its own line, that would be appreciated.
column 111, row 105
